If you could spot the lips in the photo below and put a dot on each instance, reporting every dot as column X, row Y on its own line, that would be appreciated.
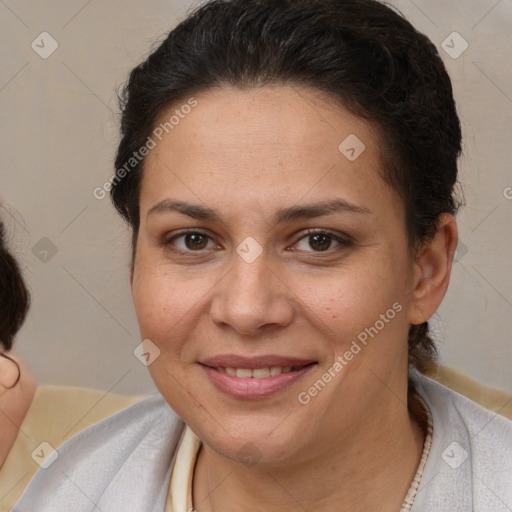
column 254, row 377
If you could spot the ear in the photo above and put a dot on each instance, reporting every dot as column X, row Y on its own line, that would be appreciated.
column 432, row 270
column 9, row 373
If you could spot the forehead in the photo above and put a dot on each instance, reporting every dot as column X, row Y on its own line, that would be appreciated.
column 280, row 118
column 270, row 142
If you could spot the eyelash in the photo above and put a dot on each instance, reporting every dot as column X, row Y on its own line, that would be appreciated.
column 344, row 242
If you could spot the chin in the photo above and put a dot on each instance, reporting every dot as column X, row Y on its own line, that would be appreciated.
column 251, row 441
column 250, row 449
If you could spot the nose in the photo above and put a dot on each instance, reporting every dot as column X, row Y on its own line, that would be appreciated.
column 251, row 298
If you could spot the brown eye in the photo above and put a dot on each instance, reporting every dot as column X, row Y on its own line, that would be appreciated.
column 191, row 242
column 195, row 241
column 320, row 242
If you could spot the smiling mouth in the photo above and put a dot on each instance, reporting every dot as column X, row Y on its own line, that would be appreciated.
column 251, row 380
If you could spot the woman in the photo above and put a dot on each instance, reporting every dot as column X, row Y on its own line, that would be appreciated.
column 287, row 169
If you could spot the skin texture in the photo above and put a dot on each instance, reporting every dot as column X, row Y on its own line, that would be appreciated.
column 14, row 401
column 248, row 154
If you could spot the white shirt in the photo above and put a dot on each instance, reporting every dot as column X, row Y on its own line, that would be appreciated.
column 124, row 463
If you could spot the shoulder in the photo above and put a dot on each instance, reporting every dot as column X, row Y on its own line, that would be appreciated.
column 457, row 412
column 63, row 411
column 56, row 413
column 470, row 463
column 122, row 461
column 491, row 398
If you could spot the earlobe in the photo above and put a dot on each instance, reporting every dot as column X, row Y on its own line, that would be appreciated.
column 9, row 373
column 433, row 268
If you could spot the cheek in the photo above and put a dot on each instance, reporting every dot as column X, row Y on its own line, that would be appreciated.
column 154, row 299
column 148, row 301
column 349, row 298
column 363, row 303
column 161, row 306
column 166, row 299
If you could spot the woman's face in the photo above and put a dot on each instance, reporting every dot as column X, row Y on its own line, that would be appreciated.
column 264, row 245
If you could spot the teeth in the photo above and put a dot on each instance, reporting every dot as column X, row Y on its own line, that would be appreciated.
column 257, row 373
column 261, row 373
column 243, row 372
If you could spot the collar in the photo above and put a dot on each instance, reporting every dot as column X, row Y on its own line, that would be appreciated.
column 180, row 488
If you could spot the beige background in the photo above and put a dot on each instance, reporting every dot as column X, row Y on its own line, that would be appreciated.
column 59, row 133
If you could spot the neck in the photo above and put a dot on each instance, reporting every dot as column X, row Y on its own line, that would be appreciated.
column 375, row 465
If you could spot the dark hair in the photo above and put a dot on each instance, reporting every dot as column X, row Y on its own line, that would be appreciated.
column 14, row 296
column 361, row 53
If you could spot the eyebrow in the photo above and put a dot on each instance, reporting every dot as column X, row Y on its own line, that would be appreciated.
column 308, row 211
column 311, row 211
column 195, row 211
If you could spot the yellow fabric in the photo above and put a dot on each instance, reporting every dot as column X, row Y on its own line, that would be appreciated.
column 56, row 414
column 59, row 412
column 491, row 398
